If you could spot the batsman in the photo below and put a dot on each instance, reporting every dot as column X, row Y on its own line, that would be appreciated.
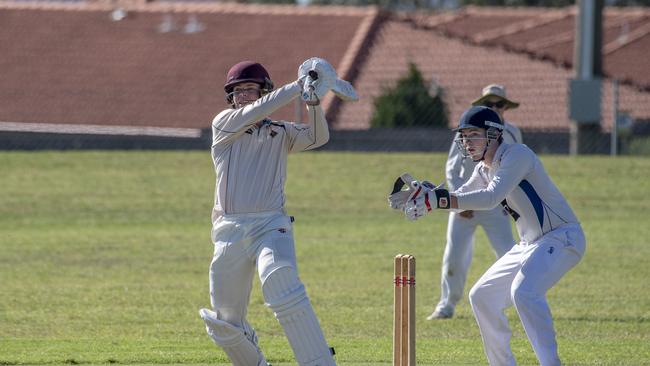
column 250, row 227
column 551, row 238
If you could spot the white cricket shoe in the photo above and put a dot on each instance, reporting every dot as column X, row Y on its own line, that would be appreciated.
column 441, row 314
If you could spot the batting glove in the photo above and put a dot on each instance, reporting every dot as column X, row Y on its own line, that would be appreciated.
column 317, row 77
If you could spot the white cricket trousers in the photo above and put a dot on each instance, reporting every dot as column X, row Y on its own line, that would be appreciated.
column 242, row 243
column 264, row 241
column 459, row 250
column 522, row 277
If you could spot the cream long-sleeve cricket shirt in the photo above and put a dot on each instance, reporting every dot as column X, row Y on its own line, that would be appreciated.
column 250, row 158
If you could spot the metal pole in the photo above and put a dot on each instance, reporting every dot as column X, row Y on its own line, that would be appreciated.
column 614, row 134
column 586, row 126
column 585, row 67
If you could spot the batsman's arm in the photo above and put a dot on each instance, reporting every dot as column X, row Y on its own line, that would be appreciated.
column 312, row 135
column 231, row 123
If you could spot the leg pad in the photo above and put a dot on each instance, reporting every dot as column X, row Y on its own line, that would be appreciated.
column 241, row 350
column 286, row 296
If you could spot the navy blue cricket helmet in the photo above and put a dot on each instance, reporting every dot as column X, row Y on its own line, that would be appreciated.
column 480, row 117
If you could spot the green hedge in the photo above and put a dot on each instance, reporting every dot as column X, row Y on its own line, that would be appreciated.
column 410, row 103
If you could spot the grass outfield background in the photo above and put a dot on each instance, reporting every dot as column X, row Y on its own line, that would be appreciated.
column 104, row 259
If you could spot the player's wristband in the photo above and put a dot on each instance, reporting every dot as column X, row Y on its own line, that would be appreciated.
column 442, row 198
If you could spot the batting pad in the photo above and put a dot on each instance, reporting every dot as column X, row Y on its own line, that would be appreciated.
column 286, row 296
column 240, row 350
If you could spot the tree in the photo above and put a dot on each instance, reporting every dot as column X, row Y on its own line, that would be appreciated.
column 410, row 104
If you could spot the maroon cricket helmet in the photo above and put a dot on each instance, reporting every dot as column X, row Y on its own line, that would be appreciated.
column 248, row 71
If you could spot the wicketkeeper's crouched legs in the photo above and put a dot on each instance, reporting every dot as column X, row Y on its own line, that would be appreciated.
column 522, row 277
column 285, row 295
column 546, row 263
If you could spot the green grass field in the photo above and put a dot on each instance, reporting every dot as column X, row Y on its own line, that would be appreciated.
column 104, row 259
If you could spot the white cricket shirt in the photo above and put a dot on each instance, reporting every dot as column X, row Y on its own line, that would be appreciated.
column 460, row 168
column 518, row 176
column 250, row 159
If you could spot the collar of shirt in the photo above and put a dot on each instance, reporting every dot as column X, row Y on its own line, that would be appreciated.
column 496, row 161
column 488, row 172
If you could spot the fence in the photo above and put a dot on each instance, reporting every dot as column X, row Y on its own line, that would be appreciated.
column 457, row 53
column 630, row 135
column 373, row 140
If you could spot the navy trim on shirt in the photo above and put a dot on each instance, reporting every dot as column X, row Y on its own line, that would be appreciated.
column 535, row 200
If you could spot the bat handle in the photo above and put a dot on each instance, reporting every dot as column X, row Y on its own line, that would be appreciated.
column 313, row 74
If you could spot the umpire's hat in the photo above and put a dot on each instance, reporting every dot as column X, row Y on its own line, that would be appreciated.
column 496, row 90
column 480, row 117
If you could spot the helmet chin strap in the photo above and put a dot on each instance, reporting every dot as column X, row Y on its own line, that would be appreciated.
column 489, row 137
column 485, row 149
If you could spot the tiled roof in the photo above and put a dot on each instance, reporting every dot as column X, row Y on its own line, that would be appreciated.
column 466, row 50
column 549, row 34
column 461, row 69
column 68, row 63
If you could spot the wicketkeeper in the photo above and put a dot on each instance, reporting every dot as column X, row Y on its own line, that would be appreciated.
column 250, row 228
column 461, row 226
column 551, row 239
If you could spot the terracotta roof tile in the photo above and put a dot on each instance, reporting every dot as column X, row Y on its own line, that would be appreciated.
column 462, row 69
column 186, row 7
column 475, row 26
column 513, row 28
column 69, row 63
column 548, row 34
column 629, row 63
column 543, row 36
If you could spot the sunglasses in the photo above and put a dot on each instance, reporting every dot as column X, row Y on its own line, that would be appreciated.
column 500, row 104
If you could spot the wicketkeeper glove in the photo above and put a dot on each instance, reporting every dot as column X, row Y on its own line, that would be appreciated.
column 429, row 198
column 397, row 198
